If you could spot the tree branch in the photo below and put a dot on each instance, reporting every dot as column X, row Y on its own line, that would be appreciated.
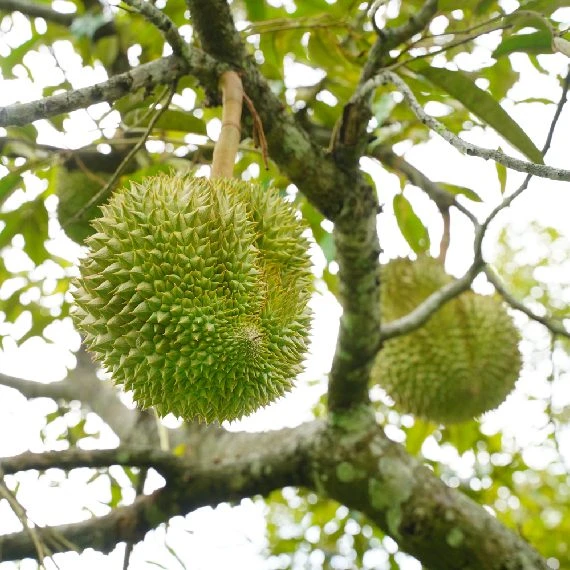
column 352, row 462
column 147, row 76
column 441, row 197
column 357, row 465
column 165, row 25
column 63, row 390
column 470, row 149
column 271, row 460
column 165, row 463
column 549, row 323
column 37, row 10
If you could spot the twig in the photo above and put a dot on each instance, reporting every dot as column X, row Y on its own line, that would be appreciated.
column 138, row 492
column 164, row 24
column 554, row 327
column 439, row 195
column 115, row 176
column 462, row 146
column 422, row 313
column 20, row 512
column 445, row 238
column 509, row 199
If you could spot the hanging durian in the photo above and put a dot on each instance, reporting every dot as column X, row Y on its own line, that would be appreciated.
column 462, row 362
column 194, row 294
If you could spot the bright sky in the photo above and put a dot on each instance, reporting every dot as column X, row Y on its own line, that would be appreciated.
column 222, row 537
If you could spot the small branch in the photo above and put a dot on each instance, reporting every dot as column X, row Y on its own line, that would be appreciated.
column 469, row 149
column 441, row 197
column 164, row 462
column 37, row 10
column 227, row 145
column 20, row 512
column 422, row 313
column 165, row 25
column 349, row 138
column 147, row 76
column 550, row 324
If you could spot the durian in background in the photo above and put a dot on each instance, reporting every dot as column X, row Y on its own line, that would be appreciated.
column 462, row 362
column 195, row 292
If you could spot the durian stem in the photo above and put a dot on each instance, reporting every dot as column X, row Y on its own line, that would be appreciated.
column 227, row 145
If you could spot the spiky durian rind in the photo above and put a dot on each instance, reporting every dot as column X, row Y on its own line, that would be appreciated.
column 463, row 362
column 194, row 295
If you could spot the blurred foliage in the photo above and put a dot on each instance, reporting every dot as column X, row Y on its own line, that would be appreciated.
column 329, row 42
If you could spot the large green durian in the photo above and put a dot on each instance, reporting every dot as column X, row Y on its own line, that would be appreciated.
column 463, row 362
column 194, row 295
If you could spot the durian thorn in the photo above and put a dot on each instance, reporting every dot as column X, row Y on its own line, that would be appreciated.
column 226, row 147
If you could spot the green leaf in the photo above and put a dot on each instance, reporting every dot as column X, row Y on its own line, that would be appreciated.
column 460, row 191
column 536, row 42
column 528, row 19
column 86, row 25
column 412, row 228
column 8, row 185
column 502, row 176
column 484, row 106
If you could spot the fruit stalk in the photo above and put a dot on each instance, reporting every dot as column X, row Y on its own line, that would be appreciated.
column 227, row 145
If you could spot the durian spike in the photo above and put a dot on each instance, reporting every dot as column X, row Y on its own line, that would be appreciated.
column 227, row 145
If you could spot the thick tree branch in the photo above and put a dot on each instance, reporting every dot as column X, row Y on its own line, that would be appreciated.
column 470, row 149
column 352, row 462
column 270, row 461
column 357, row 465
column 357, row 248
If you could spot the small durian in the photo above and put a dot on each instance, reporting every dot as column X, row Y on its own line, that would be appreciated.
column 462, row 362
column 195, row 295
column 75, row 189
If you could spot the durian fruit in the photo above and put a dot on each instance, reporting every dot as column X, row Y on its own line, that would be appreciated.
column 75, row 189
column 194, row 295
column 463, row 362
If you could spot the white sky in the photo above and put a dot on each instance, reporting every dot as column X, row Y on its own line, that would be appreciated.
column 227, row 537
